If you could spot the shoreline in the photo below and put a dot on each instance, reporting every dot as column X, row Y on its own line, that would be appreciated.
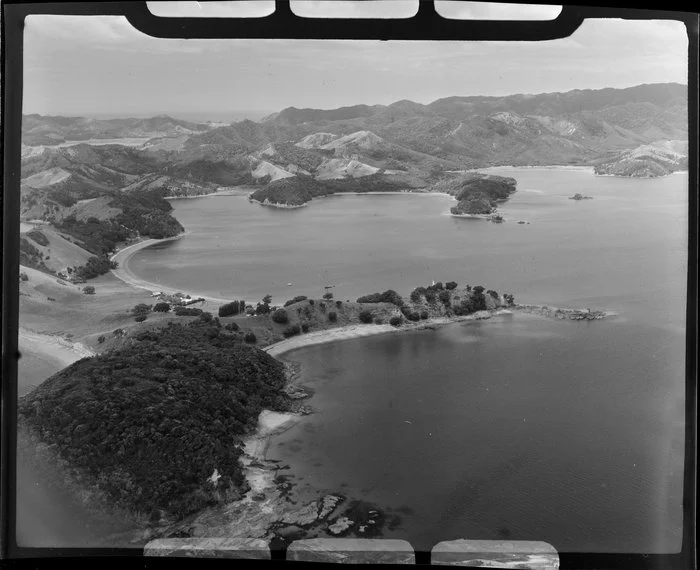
column 55, row 346
column 356, row 330
column 123, row 273
column 266, row 202
column 260, row 474
column 227, row 192
column 417, row 191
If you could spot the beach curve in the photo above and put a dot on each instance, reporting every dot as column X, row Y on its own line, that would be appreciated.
column 363, row 330
column 124, row 274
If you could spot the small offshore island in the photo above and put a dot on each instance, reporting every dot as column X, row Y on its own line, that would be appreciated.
column 168, row 424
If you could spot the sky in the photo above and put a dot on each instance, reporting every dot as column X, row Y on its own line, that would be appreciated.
column 102, row 66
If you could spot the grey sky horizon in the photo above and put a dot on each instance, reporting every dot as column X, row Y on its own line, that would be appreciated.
column 102, row 66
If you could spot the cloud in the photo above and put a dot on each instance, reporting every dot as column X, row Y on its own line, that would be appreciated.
column 105, row 33
column 101, row 64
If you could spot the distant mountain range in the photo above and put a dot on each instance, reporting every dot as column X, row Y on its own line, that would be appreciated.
column 53, row 130
column 638, row 131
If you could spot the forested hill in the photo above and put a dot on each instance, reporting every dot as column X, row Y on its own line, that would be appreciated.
column 149, row 424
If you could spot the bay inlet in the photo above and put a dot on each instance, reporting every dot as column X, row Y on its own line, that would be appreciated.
column 519, row 427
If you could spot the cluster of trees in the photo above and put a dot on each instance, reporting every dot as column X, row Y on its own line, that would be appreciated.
column 297, row 190
column 373, row 183
column 147, row 213
column 290, row 153
column 476, row 301
column 161, row 307
column 296, row 299
column 366, row 317
column 474, row 204
column 431, row 292
column 410, row 315
column 181, row 311
column 62, row 197
column 389, row 296
column 292, row 191
column 232, row 308
column 38, row 237
column 292, row 330
column 476, row 193
column 141, row 309
column 99, row 237
column 94, row 267
column 280, row 316
column 233, row 171
column 89, row 290
column 263, row 308
column 148, row 424
column 30, row 256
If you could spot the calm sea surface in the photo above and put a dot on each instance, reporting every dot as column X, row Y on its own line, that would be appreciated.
column 615, row 251
column 519, row 427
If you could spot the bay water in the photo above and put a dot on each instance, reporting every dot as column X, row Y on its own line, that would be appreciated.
column 518, row 427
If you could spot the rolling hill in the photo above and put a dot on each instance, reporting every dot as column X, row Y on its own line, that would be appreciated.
column 296, row 154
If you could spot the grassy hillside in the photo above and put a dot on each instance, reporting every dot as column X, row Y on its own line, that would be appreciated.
column 647, row 161
column 56, row 250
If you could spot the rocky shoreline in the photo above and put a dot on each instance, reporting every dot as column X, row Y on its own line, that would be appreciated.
column 562, row 313
column 266, row 202
column 266, row 510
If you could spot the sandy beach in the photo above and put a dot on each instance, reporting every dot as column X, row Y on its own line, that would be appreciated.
column 123, row 272
column 361, row 330
column 42, row 356
column 55, row 347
